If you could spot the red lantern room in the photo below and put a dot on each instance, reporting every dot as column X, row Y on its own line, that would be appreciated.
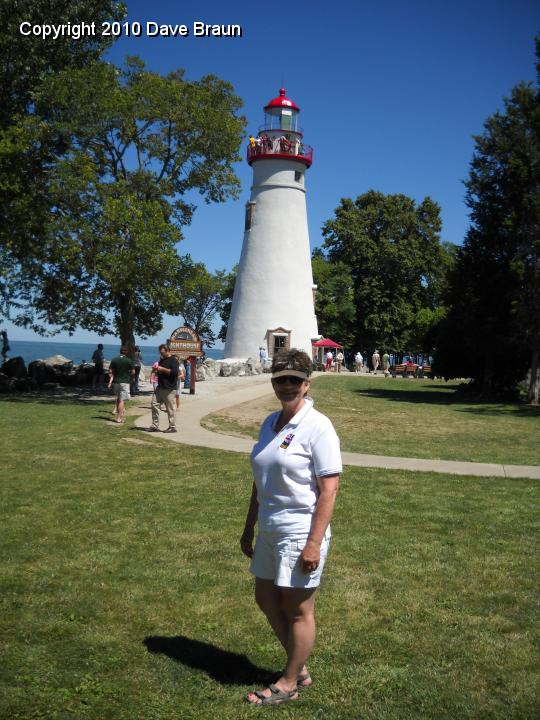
column 280, row 136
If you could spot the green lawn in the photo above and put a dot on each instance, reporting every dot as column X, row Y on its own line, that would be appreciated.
column 125, row 596
column 410, row 418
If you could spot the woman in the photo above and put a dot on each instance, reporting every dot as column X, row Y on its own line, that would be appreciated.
column 296, row 465
column 180, row 384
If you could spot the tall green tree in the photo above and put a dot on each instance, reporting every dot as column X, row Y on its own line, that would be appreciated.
column 494, row 321
column 334, row 300
column 203, row 301
column 391, row 247
column 135, row 144
column 25, row 63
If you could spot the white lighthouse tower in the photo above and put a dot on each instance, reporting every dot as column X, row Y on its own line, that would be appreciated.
column 273, row 302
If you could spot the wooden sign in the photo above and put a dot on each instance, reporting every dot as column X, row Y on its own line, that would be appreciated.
column 184, row 342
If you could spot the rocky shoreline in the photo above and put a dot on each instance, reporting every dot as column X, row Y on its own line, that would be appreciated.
column 56, row 372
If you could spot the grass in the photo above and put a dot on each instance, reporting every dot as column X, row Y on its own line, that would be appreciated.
column 124, row 594
column 409, row 418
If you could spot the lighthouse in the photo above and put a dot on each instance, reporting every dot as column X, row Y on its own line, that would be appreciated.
column 273, row 302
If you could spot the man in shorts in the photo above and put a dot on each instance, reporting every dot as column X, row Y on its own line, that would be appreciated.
column 121, row 370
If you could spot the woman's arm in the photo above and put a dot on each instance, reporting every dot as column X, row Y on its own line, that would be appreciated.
column 311, row 554
column 246, row 541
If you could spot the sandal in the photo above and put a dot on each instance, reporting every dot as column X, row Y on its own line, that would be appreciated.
column 276, row 698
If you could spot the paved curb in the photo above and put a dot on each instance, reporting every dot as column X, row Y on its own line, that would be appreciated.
column 194, row 408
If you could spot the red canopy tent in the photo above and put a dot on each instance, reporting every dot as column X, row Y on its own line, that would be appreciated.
column 318, row 348
column 326, row 342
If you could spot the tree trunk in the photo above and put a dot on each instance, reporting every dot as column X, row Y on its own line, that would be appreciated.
column 125, row 325
column 533, row 396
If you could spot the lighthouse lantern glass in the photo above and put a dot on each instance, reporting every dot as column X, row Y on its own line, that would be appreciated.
column 281, row 119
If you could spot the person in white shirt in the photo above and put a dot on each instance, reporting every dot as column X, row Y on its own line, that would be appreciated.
column 329, row 360
column 296, row 466
column 358, row 361
column 375, row 361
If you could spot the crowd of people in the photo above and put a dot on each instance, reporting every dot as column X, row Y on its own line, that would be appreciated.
column 362, row 363
column 263, row 144
column 167, row 377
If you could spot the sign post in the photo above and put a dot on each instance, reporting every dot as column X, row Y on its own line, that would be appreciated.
column 185, row 344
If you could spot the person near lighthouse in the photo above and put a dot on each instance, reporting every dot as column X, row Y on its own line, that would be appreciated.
column 296, row 464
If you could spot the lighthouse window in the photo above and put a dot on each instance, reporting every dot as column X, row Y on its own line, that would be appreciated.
column 249, row 215
column 297, row 176
column 279, row 342
column 286, row 117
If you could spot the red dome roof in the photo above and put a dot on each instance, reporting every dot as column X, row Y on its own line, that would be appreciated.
column 282, row 101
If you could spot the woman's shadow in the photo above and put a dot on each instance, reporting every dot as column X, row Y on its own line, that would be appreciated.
column 223, row 666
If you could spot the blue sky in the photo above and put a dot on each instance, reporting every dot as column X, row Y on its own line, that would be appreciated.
column 391, row 93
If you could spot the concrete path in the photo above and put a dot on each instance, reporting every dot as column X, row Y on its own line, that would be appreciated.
column 220, row 393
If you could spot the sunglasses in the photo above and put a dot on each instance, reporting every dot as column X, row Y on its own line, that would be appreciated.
column 292, row 379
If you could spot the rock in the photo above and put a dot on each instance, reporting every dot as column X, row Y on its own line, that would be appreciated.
column 7, row 384
column 252, row 367
column 72, row 378
column 239, row 367
column 59, row 361
column 86, row 373
column 38, row 371
column 210, row 368
column 26, row 384
column 14, row 367
column 225, row 369
column 58, row 369
column 200, row 374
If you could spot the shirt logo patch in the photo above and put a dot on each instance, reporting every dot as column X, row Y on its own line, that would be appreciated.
column 287, row 441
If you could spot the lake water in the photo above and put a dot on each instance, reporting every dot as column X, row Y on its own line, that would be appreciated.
column 80, row 352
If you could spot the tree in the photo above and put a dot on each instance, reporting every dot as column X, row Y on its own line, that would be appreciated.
column 494, row 293
column 25, row 62
column 134, row 144
column 203, row 300
column 334, row 299
column 227, row 292
column 396, row 262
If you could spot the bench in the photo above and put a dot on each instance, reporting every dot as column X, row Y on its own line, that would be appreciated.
column 418, row 371
column 404, row 370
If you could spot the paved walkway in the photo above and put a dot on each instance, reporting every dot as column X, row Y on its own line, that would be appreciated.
column 220, row 393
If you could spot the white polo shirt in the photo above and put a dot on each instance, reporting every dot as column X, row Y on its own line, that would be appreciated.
column 286, row 466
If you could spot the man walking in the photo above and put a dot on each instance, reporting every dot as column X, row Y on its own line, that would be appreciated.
column 167, row 373
column 375, row 361
column 120, row 372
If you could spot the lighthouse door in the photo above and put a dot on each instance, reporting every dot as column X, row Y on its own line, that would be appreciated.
column 278, row 339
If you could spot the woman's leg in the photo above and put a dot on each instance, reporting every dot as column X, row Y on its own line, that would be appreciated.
column 290, row 612
column 268, row 597
column 298, row 604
